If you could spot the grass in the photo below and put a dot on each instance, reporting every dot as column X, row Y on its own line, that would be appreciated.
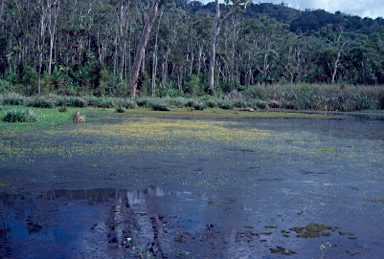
column 54, row 117
column 46, row 118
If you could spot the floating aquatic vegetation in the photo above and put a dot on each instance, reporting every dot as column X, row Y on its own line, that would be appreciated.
column 282, row 250
column 312, row 230
column 375, row 200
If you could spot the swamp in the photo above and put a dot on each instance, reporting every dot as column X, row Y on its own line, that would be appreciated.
column 159, row 186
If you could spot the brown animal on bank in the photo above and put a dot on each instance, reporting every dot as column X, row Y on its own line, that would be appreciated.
column 77, row 117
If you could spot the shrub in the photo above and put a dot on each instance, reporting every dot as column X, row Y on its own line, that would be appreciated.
column 18, row 115
column 211, row 103
column 63, row 109
column 159, row 105
column 381, row 100
column 92, row 101
column 196, row 105
column 143, row 102
column 5, row 85
column 238, row 103
column 180, row 102
column 61, row 101
column 274, row 104
column 120, row 109
column 128, row 104
column 106, row 102
column 12, row 99
column 77, row 102
column 259, row 104
column 289, row 105
column 39, row 102
column 225, row 104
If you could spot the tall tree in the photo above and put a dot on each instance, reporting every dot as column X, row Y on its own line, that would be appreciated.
column 337, row 42
column 52, row 14
column 140, row 52
column 41, row 39
column 217, row 23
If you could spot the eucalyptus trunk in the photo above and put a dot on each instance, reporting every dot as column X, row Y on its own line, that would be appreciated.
column 140, row 52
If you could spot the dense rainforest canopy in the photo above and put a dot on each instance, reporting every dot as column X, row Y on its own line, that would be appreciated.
column 88, row 47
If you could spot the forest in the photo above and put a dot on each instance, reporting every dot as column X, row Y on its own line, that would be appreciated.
column 91, row 47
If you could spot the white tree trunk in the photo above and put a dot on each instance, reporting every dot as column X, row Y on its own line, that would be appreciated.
column 140, row 52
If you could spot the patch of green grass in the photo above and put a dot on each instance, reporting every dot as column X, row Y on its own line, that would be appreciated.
column 47, row 118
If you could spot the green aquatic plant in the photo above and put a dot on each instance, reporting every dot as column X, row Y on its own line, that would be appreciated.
column 375, row 200
column 282, row 250
column 312, row 230
column 4, row 184
column 271, row 226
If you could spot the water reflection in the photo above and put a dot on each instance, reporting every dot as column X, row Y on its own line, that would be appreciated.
column 96, row 222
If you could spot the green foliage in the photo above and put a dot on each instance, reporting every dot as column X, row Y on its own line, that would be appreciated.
column 39, row 102
column 159, row 105
column 120, row 109
column 143, row 101
column 105, row 87
column 125, row 103
column 212, row 103
column 381, row 99
column 5, row 86
column 12, row 99
column 197, row 105
column 28, row 80
column 63, row 109
column 193, row 87
column 19, row 115
column 180, row 102
column 74, row 101
column 258, row 104
column 92, row 101
column 225, row 104
column 106, row 102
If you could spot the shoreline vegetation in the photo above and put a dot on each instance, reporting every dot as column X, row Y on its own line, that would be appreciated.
column 272, row 101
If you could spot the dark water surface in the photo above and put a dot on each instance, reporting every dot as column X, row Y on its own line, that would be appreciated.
column 299, row 185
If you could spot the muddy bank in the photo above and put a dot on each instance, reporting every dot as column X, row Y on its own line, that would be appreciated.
column 193, row 188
